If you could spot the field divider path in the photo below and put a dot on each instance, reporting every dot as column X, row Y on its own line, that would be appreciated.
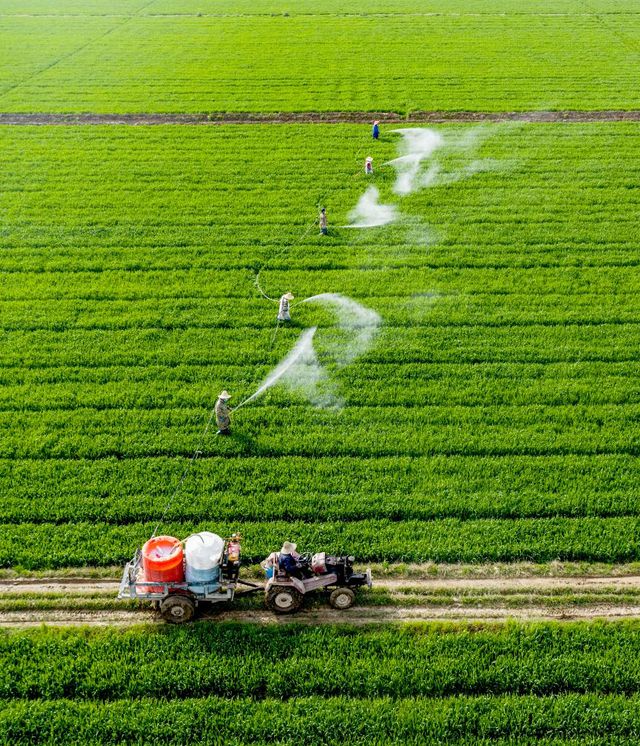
column 78, row 601
column 319, row 117
column 82, row 585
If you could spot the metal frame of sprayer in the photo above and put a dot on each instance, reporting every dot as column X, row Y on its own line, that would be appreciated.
column 178, row 600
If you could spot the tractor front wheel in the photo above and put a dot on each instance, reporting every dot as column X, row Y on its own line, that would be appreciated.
column 342, row 598
column 177, row 609
column 284, row 600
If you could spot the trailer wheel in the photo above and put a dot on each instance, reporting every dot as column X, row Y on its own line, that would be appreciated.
column 342, row 598
column 177, row 609
column 284, row 600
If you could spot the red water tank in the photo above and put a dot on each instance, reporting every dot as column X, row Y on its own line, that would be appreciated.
column 163, row 560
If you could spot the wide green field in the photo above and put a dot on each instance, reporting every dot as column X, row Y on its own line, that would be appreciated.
column 402, row 55
column 472, row 395
column 223, row 684
column 494, row 415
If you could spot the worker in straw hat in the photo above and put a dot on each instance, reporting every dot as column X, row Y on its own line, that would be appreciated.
column 283, row 310
column 288, row 560
column 223, row 414
column 368, row 165
column 375, row 132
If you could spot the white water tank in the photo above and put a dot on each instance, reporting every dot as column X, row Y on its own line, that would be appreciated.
column 203, row 555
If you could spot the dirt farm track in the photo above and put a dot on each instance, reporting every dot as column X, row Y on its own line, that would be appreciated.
column 28, row 602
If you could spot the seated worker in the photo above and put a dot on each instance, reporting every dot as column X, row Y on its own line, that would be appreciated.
column 288, row 561
column 269, row 564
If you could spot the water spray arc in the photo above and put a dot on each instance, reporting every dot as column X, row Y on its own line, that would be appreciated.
column 417, row 145
column 302, row 350
column 301, row 370
column 361, row 323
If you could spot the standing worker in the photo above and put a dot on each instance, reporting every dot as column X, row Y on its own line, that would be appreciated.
column 376, row 130
column 323, row 221
column 368, row 165
column 283, row 310
column 223, row 414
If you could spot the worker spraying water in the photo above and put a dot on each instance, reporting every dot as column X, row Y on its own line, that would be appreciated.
column 283, row 309
column 322, row 219
column 223, row 414
column 368, row 166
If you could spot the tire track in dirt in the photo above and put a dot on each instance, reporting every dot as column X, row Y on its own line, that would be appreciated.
column 530, row 592
column 83, row 586
column 355, row 616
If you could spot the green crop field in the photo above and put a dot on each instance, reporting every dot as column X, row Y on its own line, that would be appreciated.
column 209, row 55
column 463, row 389
column 494, row 415
column 538, row 684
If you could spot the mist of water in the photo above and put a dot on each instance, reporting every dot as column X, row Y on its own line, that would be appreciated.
column 301, row 372
column 368, row 213
column 359, row 323
column 417, row 145
column 430, row 158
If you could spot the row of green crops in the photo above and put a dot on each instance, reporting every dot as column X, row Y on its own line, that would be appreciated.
column 270, row 661
column 494, row 416
column 337, row 488
column 265, row 684
column 208, row 56
column 580, row 309
column 311, row 7
column 363, row 432
column 49, row 545
column 372, row 284
column 122, row 491
column 248, row 347
column 566, row 720
column 189, row 386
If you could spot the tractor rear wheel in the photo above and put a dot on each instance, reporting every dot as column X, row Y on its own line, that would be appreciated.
column 342, row 598
column 177, row 609
column 283, row 599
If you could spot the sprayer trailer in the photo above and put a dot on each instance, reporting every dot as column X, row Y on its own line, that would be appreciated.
column 178, row 602
column 178, row 579
column 178, row 585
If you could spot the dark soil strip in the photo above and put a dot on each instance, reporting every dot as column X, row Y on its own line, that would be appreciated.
column 316, row 117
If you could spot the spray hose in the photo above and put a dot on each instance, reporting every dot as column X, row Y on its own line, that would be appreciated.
column 197, row 452
column 283, row 248
column 187, row 469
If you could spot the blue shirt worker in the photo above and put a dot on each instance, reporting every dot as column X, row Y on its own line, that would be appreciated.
column 376, row 130
column 269, row 565
column 223, row 414
column 288, row 560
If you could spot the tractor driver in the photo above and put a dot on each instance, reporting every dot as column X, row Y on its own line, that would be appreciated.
column 288, row 561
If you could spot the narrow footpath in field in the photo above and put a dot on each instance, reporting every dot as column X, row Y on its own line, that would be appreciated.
column 26, row 602
column 320, row 117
